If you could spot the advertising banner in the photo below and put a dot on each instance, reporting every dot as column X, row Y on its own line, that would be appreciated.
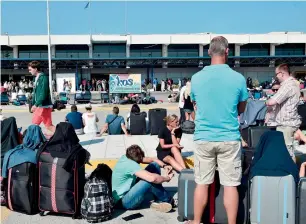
column 61, row 78
column 125, row 83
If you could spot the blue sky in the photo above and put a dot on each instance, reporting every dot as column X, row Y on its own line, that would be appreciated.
column 26, row 18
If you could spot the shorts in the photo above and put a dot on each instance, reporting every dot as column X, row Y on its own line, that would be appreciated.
column 228, row 157
column 163, row 154
column 42, row 115
column 288, row 133
column 188, row 111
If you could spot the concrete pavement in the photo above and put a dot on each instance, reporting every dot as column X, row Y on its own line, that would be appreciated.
column 105, row 149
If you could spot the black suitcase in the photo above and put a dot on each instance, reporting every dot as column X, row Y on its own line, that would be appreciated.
column 302, row 113
column 301, row 202
column 156, row 120
column 60, row 191
column 138, row 123
column 214, row 211
column 255, row 133
column 22, row 189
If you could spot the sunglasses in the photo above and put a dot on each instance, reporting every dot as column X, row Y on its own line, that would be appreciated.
column 274, row 90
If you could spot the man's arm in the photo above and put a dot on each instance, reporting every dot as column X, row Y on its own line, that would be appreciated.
column 43, row 91
column 241, row 107
column 281, row 95
column 148, row 160
column 152, row 177
column 124, row 129
column 104, row 128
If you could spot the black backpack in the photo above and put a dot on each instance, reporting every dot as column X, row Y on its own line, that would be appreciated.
column 188, row 127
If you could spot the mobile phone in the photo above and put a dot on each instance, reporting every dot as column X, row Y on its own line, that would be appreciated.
column 132, row 217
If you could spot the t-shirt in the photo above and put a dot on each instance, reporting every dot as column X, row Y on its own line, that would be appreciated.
column 165, row 134
column 217, row 91
column 123, row 177
column 75, row 118
column 115, row 127
column 90, row 122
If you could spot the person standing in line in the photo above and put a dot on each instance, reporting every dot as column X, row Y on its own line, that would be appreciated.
column 286, row 102
column 217, row 136
column 42, row 103
column 188, row 105
column 181, row 105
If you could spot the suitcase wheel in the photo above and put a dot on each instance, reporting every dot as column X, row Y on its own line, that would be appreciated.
column 180, row 219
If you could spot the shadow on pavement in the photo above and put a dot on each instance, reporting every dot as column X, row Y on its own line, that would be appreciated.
column 90, row 142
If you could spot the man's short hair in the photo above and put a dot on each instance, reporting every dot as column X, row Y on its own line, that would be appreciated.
column 135, row 153
column 283, row 68
column 116, row 110
column 34, row 64
column 218, row 46
column 74, row 108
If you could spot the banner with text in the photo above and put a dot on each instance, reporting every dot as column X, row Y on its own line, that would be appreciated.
column 125, row 83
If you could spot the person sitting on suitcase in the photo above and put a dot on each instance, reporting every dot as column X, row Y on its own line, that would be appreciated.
column 131, row 183
column 169, row 148
column 114, row 123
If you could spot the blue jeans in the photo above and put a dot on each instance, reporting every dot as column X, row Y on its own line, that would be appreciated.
column 136, row 194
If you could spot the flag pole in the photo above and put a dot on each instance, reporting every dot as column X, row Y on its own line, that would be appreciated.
column 125, row 17
column 49, row 51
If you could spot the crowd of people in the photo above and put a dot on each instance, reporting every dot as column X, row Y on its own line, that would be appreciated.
column 217, row 133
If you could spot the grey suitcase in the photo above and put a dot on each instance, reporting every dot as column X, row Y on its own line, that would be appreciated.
column 301, row 202
column 273, row 200
column 214, row 211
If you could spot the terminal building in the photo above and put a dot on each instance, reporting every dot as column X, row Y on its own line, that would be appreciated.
column 158, row 56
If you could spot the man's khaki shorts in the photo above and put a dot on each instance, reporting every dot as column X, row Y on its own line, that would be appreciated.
column 288, row 133
column 228, row 157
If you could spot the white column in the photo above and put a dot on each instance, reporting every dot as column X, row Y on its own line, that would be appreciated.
column 90, row 51
column 165, row 54
column 52, row 51
column 127, row 51
column 15, row 51
column 165, row 50
column 237, row 49
column 201, row 50
column 272, row 49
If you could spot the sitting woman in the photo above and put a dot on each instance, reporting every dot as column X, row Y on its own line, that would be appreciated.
column 135, row 109
column 169, row 148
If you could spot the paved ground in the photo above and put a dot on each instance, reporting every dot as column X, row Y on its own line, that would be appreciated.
column 106, row 149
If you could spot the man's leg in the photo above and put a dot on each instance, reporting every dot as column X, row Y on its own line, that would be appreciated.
column 157, row 189
column 37, row 118
column 204, row 172
column 230, row 171
column 288, row 133
column 47, row 119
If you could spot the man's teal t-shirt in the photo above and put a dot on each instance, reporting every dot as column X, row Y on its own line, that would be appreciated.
column 123, row 177
column 115, row 127
column 217, row 90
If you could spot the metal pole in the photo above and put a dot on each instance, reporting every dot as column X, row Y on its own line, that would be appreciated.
column 125, row 17
column 49, row 51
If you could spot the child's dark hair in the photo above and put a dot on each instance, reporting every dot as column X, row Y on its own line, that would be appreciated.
column 103, row 172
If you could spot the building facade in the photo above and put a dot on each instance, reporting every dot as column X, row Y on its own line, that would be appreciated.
column 173, row 56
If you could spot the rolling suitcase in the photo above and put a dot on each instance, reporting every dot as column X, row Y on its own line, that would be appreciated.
column 60, row 191
column 255, row 133
column 138, row 123
column 272, row 200
column 156, row 120
column 22, row 189
column 214, row 211
column 301, row 202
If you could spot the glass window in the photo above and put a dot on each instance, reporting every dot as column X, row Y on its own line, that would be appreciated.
column 6, row 54
column 109, row 50
column 146, row 51
column 290, row 49
column 191, row 50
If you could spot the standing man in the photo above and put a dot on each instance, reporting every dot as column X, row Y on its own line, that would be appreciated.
column 42, row 103
column 217, row 135
column 155, row 83
column 286, row 102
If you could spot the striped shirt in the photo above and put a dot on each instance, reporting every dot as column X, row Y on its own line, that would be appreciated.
column 287, row 98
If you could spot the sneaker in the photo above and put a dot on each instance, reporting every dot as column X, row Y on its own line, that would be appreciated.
column 161, row 207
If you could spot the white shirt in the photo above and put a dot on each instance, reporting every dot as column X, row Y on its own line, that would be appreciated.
column 181, row 102
column 90, row 122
